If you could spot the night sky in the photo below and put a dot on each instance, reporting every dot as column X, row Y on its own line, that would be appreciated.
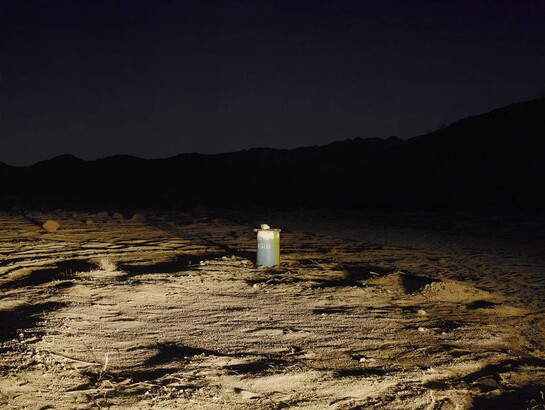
column 158, row 78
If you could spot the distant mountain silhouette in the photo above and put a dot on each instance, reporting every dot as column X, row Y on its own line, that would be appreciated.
column 487, row 162
column 65, row 160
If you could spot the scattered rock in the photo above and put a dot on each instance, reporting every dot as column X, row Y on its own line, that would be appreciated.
column 51, row 225
column 421, row 329
column 89, row 221
column 245, row 394
column 249, row 395
column 422, row 312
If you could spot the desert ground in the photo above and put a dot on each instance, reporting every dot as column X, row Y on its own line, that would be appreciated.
column 167, row 310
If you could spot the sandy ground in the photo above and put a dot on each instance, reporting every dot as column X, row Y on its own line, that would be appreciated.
column 167, row 310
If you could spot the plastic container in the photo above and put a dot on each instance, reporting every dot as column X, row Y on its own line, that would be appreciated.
column 268, row 246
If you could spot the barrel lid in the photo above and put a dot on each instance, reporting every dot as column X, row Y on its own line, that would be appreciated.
column 265, row 227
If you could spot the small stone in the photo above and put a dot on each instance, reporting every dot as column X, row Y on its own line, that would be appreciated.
column 51, row 225
column 248, row 395
column 89, row 221
column 422, row 312
column 421, row 329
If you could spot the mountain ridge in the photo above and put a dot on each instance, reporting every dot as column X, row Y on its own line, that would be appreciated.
column 484, row 162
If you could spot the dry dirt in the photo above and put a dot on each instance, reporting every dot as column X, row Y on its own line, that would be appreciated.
column 167, row 310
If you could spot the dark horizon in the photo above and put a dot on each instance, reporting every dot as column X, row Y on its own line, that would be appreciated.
column 153, row 80
column 487, row 163
column 326, row 144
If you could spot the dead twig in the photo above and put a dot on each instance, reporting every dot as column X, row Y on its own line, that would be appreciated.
column 125, row 384
column 317, row 263
column 73, row 360
column 92, row 391
column 104, row 368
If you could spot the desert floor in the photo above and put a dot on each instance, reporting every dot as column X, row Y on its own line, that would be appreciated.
column 167, row 310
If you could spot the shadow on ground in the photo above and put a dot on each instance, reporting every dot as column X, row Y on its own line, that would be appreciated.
column 24, row 317
column 62, row 270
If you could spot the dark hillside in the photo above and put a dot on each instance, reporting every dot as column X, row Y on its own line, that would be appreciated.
column 490, row 161
column 487, row 162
